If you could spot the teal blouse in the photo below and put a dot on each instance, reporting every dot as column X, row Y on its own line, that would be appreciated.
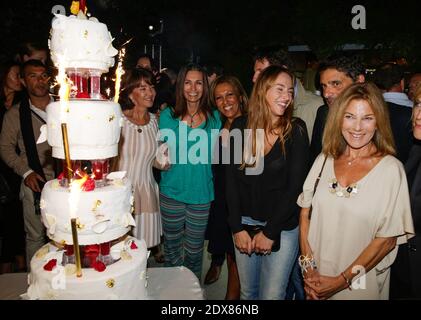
column 189, row 178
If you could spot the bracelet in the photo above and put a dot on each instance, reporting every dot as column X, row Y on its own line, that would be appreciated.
column 306, row 262
column 348, row 282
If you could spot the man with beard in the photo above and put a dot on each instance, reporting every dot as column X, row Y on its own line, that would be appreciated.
column 336, row 74
column 18, row 149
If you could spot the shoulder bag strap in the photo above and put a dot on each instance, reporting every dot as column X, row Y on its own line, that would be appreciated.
column 316, row 184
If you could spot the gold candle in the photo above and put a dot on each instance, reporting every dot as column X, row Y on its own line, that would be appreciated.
column 76, row 248
column 66, row 151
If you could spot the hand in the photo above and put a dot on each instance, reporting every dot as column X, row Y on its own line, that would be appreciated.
column 312, row 274
column 243, row 242
column 31, row 181
column 324, row 286
column 166, row 166
column 262, row 244
column 310, row 293
column 162, row 156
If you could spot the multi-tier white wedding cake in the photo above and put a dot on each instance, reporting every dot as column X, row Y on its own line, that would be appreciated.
column 114, row 264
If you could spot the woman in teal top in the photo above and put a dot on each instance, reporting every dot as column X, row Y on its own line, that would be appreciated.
column 186, row 189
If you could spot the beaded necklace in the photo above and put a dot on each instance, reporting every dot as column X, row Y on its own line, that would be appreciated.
column 346, row 192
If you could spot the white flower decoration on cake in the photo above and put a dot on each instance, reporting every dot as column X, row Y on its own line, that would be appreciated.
column 51, row 223
column 127, row 220
column 43, row 134
column 116, row 175
column 100, row 226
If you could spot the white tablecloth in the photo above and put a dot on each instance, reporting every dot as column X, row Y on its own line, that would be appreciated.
column 177, row 283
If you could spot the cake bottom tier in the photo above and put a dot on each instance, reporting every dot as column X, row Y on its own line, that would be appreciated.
column 125, row 279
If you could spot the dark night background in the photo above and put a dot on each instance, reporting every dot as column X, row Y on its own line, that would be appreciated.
column 226, row 31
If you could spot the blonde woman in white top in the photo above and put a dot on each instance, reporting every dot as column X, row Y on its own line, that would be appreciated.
column 361, row 209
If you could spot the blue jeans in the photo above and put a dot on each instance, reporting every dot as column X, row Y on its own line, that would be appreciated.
column 265, row 277
column 296, row 285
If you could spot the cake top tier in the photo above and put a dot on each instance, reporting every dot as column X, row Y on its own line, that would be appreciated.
column 78, row 42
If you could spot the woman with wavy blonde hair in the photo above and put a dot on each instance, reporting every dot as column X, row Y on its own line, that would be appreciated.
column 334, row 142
column 360, row 203
column 261, row 203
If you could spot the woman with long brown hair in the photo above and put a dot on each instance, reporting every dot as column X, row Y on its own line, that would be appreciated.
column 360, row 207
column 262, row 189
column 186, row 189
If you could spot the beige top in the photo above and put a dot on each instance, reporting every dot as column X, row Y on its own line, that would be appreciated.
column 11, row 136
column 306, row 105
column 342, row 227
column 138, row 147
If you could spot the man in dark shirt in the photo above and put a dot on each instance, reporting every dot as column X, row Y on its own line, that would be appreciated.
column 390, row 78
column 336, row 74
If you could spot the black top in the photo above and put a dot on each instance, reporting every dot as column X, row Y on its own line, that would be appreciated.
column 413, row 172
column 218, row 231
column 319, row 127
column 400, row 122
column 272, row 195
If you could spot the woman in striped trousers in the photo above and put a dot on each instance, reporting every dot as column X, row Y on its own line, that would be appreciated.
column 186, row 189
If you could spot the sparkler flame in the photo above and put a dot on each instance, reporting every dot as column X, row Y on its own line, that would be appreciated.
column 75, row 190
column 118, row 73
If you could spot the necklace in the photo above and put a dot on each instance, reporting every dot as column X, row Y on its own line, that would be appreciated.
column 351, row 161
column 192, row 117
column 346, row 192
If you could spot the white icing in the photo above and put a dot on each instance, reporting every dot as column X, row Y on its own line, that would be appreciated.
column 93, row 128
column 116, row 175
column 108, row 221
column 128, row 275
column 79, row 43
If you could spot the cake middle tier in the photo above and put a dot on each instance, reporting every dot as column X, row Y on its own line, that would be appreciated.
column 93, row 128
column 103, row 214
